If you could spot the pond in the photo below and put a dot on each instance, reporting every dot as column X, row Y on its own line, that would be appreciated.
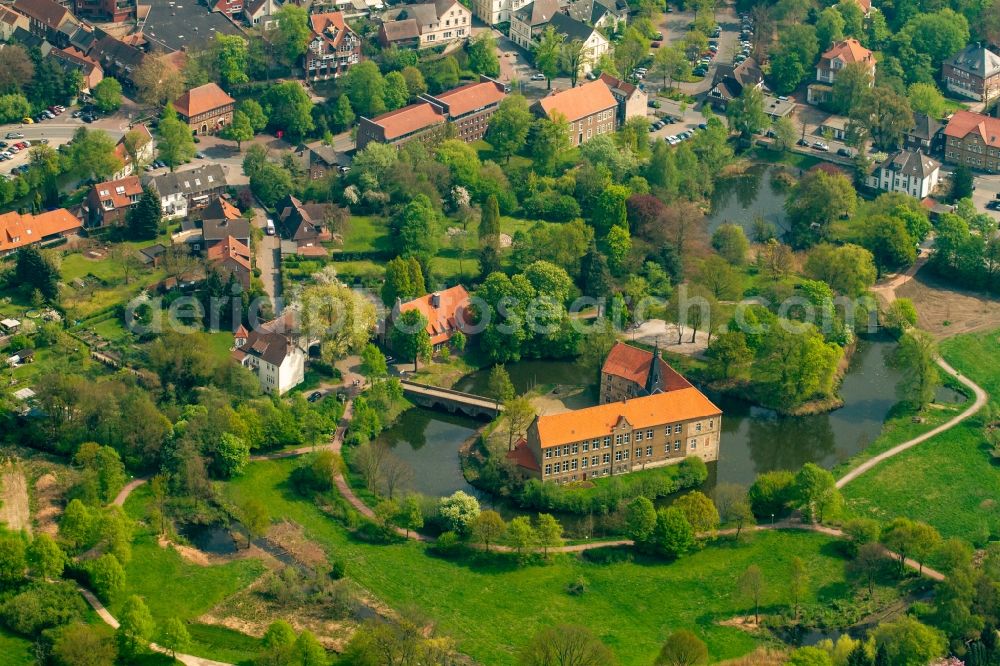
column 739, row 199
column 754, row 439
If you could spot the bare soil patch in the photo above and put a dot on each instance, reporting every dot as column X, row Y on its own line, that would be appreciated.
column 290, row 538
column 15, row 511
column 946, row 311
column 47, row 511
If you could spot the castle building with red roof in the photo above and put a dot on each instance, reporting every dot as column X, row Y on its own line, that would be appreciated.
column 973, row 140
column 445, row 312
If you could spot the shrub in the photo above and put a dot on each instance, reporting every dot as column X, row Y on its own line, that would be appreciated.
column 578, row 587
column 448, row 544
column 42, row 606
column 771, row 493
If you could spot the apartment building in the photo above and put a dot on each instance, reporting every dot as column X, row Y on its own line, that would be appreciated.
column 334, row 47
column 973, row 139
column 183, row 191
column 529, row 20
column 590, row 109
column 907, row 172
column 434, row 23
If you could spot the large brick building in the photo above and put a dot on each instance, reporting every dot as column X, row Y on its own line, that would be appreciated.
column 333, row 48
column 467, row 109
column 973, row 72
column 973, row 139
column 206, row 109
column 590, row 109
column 649, row 416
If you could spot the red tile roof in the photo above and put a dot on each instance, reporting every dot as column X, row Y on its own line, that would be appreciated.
column 964, row 123
column 331, row 26
column 849, row 50
column 230, row 248
column 202, row 100
column 580, row 102
column 408, row 119
column 118, row 192
column 473, row 96
column 18, row 230
column 645, row 412
column 633, row 364
column 443, row 320
column 523, row 457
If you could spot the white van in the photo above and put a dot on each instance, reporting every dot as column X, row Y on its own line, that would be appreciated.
column 269, row 229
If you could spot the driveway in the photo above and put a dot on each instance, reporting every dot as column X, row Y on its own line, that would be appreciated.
column 268, row 260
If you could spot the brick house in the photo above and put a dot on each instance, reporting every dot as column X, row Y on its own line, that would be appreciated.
column 467, row 109
column 48, row 20
column 206, row 109
column 109, row 202
column 333, row 47
column 973, row 72
column 113, row 11
column 590, row 109
column 630, row 372
column 231, row 257
column 17, row 230
column 973, row 139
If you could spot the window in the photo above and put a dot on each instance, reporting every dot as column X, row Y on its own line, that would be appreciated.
column 586, row 446
column 711, row 423
column 548, row 469
column 606, row 458
column 596, row 443
column 649, row 451
column 557, row 451
column 594, row 461
column 628, row 436
column 677, row 445
column 607, row 441
column 548, row 453
column 677, row 428
column 625, row 454
column 618, row 439
column 694, row 444
column 566, row 465
column 572, row 464
column 649, row 434
column 566, row 449
column 638, row 435
column 697, row 427
column 576, row 448
column 583, row 462
column 638, row 452
column 618, row 455
column 666, row 448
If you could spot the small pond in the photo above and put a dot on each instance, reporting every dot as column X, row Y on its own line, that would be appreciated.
column 215, row 539
column 739, row 199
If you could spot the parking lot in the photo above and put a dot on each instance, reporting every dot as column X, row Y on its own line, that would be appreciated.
column 987, row 189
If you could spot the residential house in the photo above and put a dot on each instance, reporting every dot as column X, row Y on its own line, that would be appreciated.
column 117, row 58
column 926, row 135
column 273, row 354
column 231, row 257
column 467, row 109
column 840, row 55
column 590, row 109
column 438, row 22
column 17, row 230
column 221, row 220
column 319, row 159
column 866, row 7
column 261, row 13
column 446, row 313
column 48, row 20
column 595, row 44
column 306, row 224
column 193, row 189
column 72, row 58
column 495, row 11
column 630, row 372
column 835, row 127
column 973, row 139
column 528, row 21
column 973, row 72
column 333, row 47
column 624, row 436
column 907, row 172
column 108, row 203
column 632, row 100
column 401, row 33
column 730, row 80
column 231, row 8
column 143, row 151
column 11, row 20
column 112, row 11
column 206, row 109
column 607, row 14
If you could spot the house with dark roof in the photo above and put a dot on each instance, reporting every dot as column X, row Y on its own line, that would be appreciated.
column 609, row 14
column 528, row 21
column 206, row 109
column 193, row 189
column 973, row 72
column 912, row 173
column 333, row 48
column 72, row 59
column 439, row 22
column 11, row 20
column 973, row 139
column 260, row 12
column 730, row 80
column 467, row 109
column 152, row 255
column 117, row 58
column 305, row 224
column 109, row 202
column 590, row 109
column 273, row 354
column 49, row 20
column 926, row 135
column 595, row 44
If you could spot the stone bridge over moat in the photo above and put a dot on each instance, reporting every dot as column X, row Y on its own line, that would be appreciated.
column 435, row 397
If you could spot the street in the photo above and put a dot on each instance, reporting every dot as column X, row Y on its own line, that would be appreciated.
column 268, row 260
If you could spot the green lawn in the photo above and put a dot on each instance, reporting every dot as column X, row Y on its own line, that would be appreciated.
column 493, row 608
column 949, row 481
column 15, row 650
column 366, row 234
column 172, row 587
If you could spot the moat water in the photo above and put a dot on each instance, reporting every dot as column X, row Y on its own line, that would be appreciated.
column 740, row 199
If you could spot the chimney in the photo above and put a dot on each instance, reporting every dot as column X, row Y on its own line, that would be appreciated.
column 435, row 300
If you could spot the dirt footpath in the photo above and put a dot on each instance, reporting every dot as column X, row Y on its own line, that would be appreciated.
column 945, row 311
column 14, row 507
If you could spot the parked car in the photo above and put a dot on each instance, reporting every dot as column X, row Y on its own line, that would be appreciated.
column 844, row 152
column 537, row 76
column 76, row 114
column 820, row 145
column 314, row 396
column 343, row 168
column 200, row 155
column 993, row 205
column 653, row 104
column 801, row 142
column 87, row 118
column 27, row 121
column 655, row 44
